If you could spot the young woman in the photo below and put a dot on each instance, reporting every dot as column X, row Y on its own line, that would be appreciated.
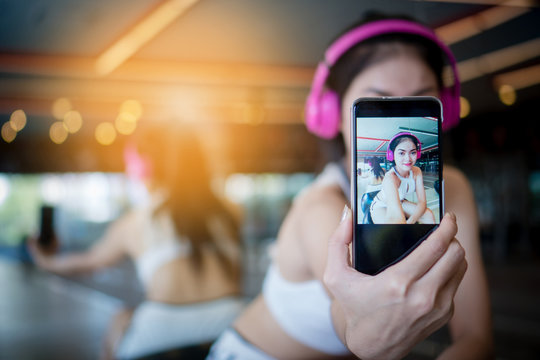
column 377, row 171
column 375, row 317
column 184, row 244
column 390, row 205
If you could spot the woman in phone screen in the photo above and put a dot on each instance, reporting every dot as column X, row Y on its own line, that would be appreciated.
column 390, row 205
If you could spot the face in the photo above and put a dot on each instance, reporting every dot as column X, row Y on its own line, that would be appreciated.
column 403, row 75
column 405, row 155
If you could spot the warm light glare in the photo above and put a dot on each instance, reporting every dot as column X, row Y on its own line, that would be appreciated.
column 519, row 79
column 58, row 132
column 8, row 134
column 17, row 120
column 143, row 32
column 507, row 95
column 73, row 121
column 60, row 107
column 465, row 107
column 132, row 107
column 499, row 59
column 105, row 133
column 125, row 123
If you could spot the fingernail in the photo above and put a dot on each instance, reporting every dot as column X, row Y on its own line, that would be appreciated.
column 344, row 213
column 452, row 215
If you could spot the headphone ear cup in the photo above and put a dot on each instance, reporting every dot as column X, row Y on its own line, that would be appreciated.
column 451, row 108
column 330, row 114
column 323, row 114
column 389, row 154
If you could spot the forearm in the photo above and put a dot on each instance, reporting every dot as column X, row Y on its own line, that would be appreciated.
column 68, row 264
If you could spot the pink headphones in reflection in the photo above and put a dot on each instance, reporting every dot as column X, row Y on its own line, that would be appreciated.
column 323, row 106
column 390, row 153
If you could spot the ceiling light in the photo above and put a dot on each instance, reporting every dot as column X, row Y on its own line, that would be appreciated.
column 140, row 34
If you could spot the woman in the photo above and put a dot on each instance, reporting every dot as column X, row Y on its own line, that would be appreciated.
column 184, row 244
column 381, row 316
column 377, row 171
column 390, row 205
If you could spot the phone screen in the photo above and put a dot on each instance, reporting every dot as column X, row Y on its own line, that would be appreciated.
column 396, row 177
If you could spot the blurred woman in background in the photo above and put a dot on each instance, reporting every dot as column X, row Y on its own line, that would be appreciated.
column 184, row 243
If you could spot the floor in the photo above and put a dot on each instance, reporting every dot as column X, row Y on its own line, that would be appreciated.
column 44, row 316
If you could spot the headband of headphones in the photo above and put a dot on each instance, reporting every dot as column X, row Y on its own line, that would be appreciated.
column 323, row 106
column 390, row 153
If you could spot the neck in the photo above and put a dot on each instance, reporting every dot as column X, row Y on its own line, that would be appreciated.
column 400, row 172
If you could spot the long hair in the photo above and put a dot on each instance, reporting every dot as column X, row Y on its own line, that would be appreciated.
column 378, row 171
column 178, row 166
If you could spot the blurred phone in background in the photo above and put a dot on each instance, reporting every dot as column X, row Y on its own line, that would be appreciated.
column 47, row 237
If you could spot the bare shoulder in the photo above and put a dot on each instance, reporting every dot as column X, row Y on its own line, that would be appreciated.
column 459, row 199
column 457, row 186
column 303, row 236
column 318, row 199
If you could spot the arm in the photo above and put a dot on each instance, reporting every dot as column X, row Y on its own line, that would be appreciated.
column 384, row 316
column 421, row 195
column 394, row 212
column 471, row 325
column 105, row 252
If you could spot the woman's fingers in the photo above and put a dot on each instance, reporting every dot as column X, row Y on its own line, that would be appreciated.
column 418, row 263
column 447, row 267
column 337, row 264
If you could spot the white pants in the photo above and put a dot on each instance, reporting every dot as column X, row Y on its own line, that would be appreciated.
column 157, row 326
column 232, row 346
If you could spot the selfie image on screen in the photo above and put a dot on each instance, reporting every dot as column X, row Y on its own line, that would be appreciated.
column 397, row 167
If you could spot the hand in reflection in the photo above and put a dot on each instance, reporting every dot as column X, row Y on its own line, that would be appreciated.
column 384, row 316
column 41, row 255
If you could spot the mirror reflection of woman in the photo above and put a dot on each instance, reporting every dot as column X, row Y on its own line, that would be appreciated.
column 390, row 206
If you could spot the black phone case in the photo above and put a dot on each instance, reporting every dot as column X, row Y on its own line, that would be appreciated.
column 378, row 246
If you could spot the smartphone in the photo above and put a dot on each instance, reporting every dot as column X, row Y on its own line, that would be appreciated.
column 396, row 177
column 47, row 235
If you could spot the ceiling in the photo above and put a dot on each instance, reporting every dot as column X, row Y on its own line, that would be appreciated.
column 228, row 61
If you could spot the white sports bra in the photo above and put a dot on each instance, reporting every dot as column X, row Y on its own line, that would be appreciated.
column 302, row 309
column 161, row 242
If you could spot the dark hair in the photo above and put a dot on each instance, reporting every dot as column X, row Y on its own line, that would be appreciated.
column 178, row 166
column 371, row 51
column 398, row 140
column 378, row 171
column 375, row 49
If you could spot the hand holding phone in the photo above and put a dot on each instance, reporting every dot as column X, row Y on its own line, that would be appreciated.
column 397, row 142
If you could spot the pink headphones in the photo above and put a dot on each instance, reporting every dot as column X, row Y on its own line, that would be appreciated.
column 137, row 167
column 390, row 153
column 323, row 106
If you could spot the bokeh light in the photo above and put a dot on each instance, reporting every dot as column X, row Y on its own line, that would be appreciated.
column 105, row 133
column 125, row 123
column 58, row 132
column 132, row 107
column 60, row 107
column 73, row 121
column 17, row 120
column 507, row 95
column 464, row 107
column 8, row 134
